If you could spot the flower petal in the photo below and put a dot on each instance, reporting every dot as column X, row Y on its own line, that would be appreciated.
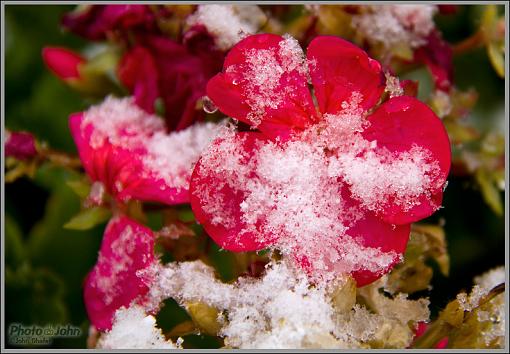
column 264, row 83
column 138, row 72
column 216, row 194
column 127, row 249
column 338, row 68
column 437, row 55
column 399, row 125
column 367, row 249
column 132, row 155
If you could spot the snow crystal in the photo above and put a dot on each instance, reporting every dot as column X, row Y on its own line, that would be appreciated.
column 134, row 329
column 121, row 122
column 393, row 86
column 493, row 315
column 228, row 23
column 396, row 24
column 172, row 157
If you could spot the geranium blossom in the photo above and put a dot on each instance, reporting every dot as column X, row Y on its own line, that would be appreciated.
column 132, row 156
column 334, row 186
column 127, row 250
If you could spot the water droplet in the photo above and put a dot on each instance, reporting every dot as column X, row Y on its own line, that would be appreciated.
column 235, row 82
column 495, row 319
column 208, row 105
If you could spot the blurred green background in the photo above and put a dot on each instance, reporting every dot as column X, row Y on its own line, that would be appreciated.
column 46, row 264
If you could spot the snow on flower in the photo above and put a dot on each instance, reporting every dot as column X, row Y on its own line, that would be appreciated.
column 130, row 153
column 227, row 23
column 127, row 248
column 392, row 25
column 335, row 188
column 134, row 329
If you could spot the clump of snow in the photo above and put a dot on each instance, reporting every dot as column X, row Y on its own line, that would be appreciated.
column 134, row 329
column 121, row 122
column 495, row 315
column 264, row 76
column 228, row 23
column 172, row 157
column 378, row 176
column 164, row 156
column 280, row 310
column 395, row 24
column 393, row 86
column 491, row 278
column 491, row 315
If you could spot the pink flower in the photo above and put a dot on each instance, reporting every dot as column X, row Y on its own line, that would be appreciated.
column 127, row 250
column 20, row 145
column 96, row 22
column 159, row 68
column 129, row 152
column 335, row 186
column 64, row 63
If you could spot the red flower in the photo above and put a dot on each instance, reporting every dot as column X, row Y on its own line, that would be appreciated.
column 158, row 67
column 335, row 187
column 20, row 145
column 97, row 21
column 126, row 251
column 130, row 153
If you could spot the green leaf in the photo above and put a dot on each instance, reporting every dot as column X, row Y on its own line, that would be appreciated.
column 79, row 186
column 35, row 296
column 88, row 218
column 14, row 247
column 497, row 58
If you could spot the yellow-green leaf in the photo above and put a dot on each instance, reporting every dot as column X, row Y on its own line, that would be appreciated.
column 88, row 218
column 490, row 192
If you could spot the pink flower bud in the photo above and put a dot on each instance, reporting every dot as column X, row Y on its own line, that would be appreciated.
column 20, row 145
column 63, row 62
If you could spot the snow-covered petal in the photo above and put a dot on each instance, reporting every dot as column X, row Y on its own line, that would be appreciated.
column 412, row 132
column 264, row 83
column 129, row 151
column 127, row 249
